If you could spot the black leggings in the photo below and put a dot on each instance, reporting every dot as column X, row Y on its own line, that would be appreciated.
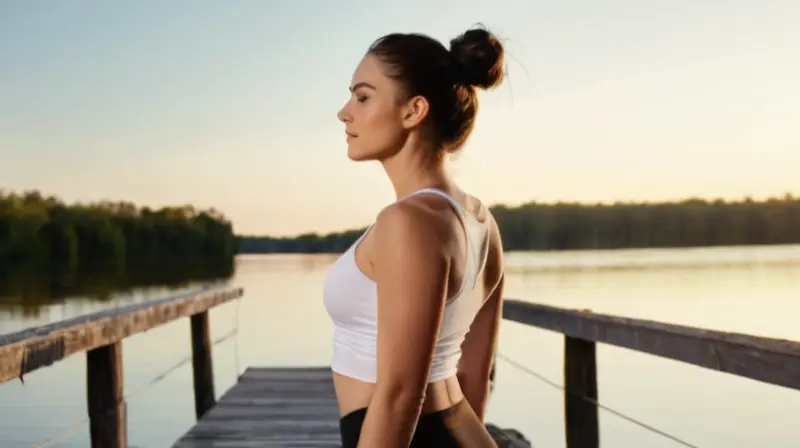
column 431, row 432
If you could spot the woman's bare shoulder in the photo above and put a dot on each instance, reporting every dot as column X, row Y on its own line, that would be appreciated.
column 412, row 220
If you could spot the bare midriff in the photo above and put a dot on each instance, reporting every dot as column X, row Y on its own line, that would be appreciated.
column 354, row 394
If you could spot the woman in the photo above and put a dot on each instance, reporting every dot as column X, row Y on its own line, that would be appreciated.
column 416, row 301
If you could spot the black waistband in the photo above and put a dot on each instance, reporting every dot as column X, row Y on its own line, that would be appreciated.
column 432, row 429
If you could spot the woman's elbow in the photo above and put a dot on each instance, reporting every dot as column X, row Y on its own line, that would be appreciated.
column 399, row 396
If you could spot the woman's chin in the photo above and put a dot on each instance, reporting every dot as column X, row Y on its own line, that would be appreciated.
column 358, row 156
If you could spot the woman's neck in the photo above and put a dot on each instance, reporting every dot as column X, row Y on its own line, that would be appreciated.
column 409, row 171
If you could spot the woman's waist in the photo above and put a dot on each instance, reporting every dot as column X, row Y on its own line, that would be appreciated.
column 354, row 394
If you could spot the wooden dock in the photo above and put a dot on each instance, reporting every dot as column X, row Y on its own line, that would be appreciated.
column 285, row 407
column 296, row 407
column 271, row 407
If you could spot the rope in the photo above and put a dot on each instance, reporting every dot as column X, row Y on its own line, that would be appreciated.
column 155, row 380
column 619, row 414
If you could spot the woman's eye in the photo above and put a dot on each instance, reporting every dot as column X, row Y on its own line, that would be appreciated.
column 361, row 99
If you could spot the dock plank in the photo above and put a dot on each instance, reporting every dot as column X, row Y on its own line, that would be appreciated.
column 288, row 407
column 271, row 407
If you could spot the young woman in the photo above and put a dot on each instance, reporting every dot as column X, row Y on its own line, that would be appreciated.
column 416, row 301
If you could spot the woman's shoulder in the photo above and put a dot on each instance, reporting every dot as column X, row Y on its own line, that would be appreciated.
column 411, row 220
column 407, row 239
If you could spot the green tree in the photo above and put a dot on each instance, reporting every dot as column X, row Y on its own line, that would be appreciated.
column 44, row 231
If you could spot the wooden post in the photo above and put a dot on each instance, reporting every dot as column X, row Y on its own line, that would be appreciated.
column 580, row 380
column 203, row 372
column 105, row 398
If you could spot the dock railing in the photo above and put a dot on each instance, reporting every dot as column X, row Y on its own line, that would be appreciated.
column 100, row 336
column 773, row 361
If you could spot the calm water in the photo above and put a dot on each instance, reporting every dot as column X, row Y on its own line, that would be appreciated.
column 282, row 321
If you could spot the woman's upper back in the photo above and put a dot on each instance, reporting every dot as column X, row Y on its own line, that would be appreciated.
column 425, row 256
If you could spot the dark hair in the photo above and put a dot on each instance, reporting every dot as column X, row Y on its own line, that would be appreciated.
column 448, row 79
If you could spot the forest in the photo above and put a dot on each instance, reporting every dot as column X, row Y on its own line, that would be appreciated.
column 573, row 226
column 44, row 233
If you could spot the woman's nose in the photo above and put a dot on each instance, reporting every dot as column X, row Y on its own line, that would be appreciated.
column 342, row 115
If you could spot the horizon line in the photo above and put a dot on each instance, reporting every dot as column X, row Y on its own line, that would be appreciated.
column 707, row 200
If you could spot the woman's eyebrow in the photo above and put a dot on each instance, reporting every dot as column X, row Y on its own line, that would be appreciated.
column 362, row 84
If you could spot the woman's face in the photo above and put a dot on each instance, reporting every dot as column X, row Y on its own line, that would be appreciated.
column 374, row 116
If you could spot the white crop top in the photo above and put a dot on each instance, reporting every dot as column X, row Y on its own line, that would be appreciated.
column 351, row 297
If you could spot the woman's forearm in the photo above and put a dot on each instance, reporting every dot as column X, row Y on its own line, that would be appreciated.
column 390, row 422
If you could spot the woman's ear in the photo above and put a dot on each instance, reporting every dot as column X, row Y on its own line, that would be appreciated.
column 415, row 111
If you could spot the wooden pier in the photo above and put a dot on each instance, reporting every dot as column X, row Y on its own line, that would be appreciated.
column 272, row 407
column 296, row 407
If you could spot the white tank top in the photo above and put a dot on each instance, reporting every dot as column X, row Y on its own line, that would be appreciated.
column 351, row 300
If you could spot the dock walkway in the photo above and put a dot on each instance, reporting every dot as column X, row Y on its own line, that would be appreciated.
column 285, row 407
column 271, row 407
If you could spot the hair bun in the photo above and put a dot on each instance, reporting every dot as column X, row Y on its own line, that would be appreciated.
column 480, row 56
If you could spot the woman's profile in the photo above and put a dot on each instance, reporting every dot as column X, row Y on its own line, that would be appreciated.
column 416, row 301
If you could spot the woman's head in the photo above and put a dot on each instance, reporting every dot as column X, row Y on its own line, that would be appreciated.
column 410, row 84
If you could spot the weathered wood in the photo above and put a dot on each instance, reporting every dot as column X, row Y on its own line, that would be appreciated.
column 105, row 397
column 774, row 361
column 278, row 407
column 34, row 348
column 202, row 368
column 580, row 384
column 285, row 407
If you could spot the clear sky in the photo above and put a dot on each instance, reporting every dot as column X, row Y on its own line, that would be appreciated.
column 233, row 104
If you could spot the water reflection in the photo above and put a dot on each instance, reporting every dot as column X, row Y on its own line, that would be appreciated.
column 522, row 263
column 27, row 291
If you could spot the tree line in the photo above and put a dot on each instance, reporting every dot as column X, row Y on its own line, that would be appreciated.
column 44, row 232
column 572, row 226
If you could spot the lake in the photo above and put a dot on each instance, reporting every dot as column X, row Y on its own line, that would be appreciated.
column 281, row 321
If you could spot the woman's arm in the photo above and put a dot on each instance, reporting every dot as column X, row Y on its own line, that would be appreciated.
column 411, row 272
column 479, row 346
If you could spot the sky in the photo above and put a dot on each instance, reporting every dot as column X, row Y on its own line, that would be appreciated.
column 233, row 105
